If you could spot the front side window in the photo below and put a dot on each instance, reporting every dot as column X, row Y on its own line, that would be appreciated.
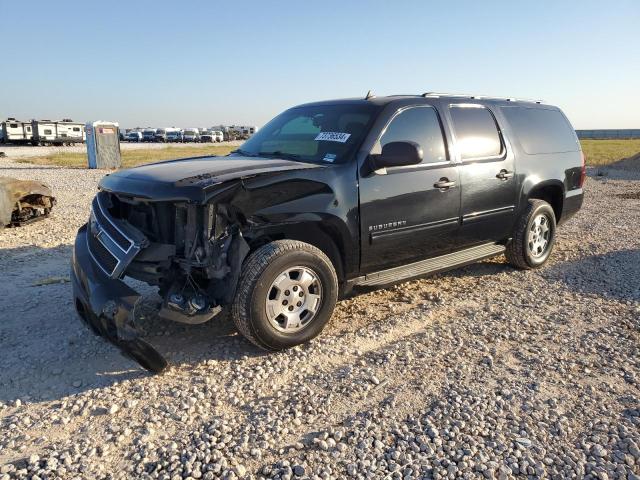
column 47, row 132
column 422, row 126
column 476, row 132
column 315, row 133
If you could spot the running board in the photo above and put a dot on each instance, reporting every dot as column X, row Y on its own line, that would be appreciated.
column 431, row 265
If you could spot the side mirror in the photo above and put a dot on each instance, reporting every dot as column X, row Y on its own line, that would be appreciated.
column 398, row 154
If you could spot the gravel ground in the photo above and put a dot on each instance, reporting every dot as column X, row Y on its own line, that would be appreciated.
column 483, row 372
column 24, row 151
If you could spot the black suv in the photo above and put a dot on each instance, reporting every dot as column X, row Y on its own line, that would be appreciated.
column 326, row 196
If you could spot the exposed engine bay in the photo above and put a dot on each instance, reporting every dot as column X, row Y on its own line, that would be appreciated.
column 193, row 253
column 23, row 201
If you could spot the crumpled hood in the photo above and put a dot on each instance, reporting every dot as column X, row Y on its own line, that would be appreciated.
column 208, row 169
column 187, row 178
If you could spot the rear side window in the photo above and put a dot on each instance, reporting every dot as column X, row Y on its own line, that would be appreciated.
column 420, row 125
column 476, row 131
column 541, row 130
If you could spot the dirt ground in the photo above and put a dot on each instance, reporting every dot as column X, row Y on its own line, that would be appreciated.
column 482, row 372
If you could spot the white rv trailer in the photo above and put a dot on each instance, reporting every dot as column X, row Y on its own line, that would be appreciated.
column 57, row 133
column 15, row 131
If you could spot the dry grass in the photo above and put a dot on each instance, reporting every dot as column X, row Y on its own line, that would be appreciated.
column 605, row 152
column 131, row 158
column 598, row 152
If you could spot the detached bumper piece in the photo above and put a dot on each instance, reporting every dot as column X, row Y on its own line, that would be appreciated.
column 102, row 251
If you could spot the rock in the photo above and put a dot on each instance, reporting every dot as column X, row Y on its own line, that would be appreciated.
column 525, row 442
column 598, row 451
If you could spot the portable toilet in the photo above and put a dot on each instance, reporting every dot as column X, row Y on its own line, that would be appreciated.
column 103, row 144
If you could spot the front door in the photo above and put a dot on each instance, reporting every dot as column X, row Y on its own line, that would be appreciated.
column 410, row 213
column 487, row 174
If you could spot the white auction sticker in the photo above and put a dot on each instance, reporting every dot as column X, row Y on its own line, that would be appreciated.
column 333, row 136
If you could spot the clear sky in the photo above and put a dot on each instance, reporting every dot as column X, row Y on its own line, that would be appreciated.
column 200, row 63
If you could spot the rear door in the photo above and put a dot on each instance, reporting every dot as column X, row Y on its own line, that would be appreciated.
column 487, row 175
column 404, row 215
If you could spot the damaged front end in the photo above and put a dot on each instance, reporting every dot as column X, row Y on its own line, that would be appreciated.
column 23, row 201
column 192, row 252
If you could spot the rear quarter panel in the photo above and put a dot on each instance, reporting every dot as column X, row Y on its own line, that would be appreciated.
column 561, row 169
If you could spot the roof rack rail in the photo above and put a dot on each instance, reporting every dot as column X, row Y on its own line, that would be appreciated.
column 479, row 97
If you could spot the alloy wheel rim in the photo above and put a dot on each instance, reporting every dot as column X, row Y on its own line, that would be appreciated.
column 293, row 299
column 539, row 236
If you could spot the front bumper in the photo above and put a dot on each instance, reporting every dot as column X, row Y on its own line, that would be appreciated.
column 107, row 306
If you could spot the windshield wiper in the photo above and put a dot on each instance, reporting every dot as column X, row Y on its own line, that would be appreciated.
column 278, row 153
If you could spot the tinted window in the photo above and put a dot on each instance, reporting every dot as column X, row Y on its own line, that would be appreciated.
column 47, row 132
column 13, row 125
column 541, row 130
column 420, row 125
column 476, row 132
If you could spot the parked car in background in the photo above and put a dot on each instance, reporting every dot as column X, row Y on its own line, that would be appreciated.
column 161, row 135
column 174, row 136
column 149, row 135
column 207, row 136
column 219, row 136
column 191, row 135
column 134, row 136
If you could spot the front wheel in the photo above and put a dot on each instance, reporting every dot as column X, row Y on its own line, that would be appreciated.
column 285, row 296
column 533, row 237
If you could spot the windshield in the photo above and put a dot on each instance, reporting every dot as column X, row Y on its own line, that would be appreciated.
column 189, row 132
column 320, row 133
column 160, row 131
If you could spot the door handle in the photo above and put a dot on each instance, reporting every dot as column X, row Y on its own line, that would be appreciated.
column 444, row 184
column 504, row 174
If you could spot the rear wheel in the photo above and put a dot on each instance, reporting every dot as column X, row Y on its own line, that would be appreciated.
column 285, row 296
column 534, row 236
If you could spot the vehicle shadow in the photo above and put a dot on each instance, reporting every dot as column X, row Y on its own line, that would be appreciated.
column 46, row 353
column 612, row 275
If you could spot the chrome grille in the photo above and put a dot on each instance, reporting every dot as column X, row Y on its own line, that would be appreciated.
column 111, row 248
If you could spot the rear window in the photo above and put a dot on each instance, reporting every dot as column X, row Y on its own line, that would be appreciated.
column 541, row 130
column 477, row 134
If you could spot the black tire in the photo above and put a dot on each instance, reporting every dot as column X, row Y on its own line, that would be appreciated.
column 260, row 269
column 518, row 252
